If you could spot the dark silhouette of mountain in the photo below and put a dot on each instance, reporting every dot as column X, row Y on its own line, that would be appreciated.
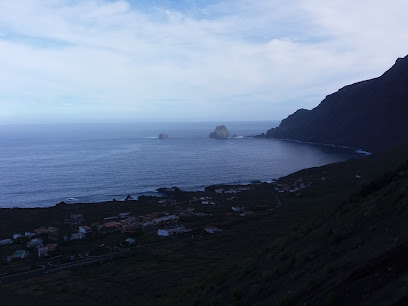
column 371, row 114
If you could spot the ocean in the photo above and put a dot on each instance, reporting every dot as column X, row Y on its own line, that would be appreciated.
column 41, row 165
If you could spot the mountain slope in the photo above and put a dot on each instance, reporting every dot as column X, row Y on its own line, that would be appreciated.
column 371, row 114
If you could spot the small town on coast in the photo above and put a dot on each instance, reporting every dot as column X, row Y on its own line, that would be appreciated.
column 81, row 233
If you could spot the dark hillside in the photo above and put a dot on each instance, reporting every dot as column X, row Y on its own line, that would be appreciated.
column 371, row 114
column 341, row 241
column 352, row 255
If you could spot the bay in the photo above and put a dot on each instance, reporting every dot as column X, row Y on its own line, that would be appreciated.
column 41, row 165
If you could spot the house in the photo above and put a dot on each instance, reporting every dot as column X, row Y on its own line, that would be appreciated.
column 206, row 202
column 18, row 254
column 205, row 198
column 247, row 213
column 202, row 214
column 77, row 219
column 42, row 252
column 212, row 230
column 16, row 236
column 165, row 220
column 35, row 243
column 53, row 233
column 168, row 231
column 77, row 236
column 86, row 230
column 29, row 234
column 238, row 208
column 131, row 241
column 6, row 241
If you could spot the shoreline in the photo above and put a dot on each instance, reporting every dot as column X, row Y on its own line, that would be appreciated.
column 156, row 193
column 86, row 199
column 354, row 150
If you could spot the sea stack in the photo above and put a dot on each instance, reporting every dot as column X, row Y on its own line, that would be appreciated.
column 220, row 132
column 163, row 136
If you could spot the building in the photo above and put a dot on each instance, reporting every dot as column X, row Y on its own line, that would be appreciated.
column 131, row 241
column 29, row 234
column 77, row 219
column 165, row 220
column 6, row 241
column 42, row 252
column 168, row 231
column 123, row 215
column 238, row 208
column 212, row 230
column 18, row 254
column 35, row 243
column 77, row 236
column 16, row 236
column 86, row 230
column 53, row 233
column 207, row 202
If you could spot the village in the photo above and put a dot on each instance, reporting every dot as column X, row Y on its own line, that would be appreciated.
column 176, row 215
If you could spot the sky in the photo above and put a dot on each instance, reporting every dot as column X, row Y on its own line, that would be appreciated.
column 186, row 60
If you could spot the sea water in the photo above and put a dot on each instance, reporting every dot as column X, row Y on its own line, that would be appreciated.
column 41, row 165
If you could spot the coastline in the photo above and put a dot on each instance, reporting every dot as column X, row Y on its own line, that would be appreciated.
column 352, row 149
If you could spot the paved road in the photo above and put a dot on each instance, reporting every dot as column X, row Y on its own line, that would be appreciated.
column 46, row 266
column 279, row 198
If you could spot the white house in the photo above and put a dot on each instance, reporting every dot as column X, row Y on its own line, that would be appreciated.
column 16, row 236
column 29, row 234
column 238, row 208
column 168, row 231
column 36, row 242
column 206, row 202
column 131, row 241
column 6, row 241
column 85, row 230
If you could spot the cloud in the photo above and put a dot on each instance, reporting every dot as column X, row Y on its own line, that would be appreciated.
column 188, row 59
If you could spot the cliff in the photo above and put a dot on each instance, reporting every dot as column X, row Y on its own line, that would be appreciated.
column 371, row 114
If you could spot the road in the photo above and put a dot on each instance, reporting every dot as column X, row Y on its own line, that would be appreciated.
column 46, row 266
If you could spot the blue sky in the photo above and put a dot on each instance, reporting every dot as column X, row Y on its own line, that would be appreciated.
column 100, row 60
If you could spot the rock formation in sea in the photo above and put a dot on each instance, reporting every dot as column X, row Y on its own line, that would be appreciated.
column 371, row 115
column 220, row 132
column 163, row 136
